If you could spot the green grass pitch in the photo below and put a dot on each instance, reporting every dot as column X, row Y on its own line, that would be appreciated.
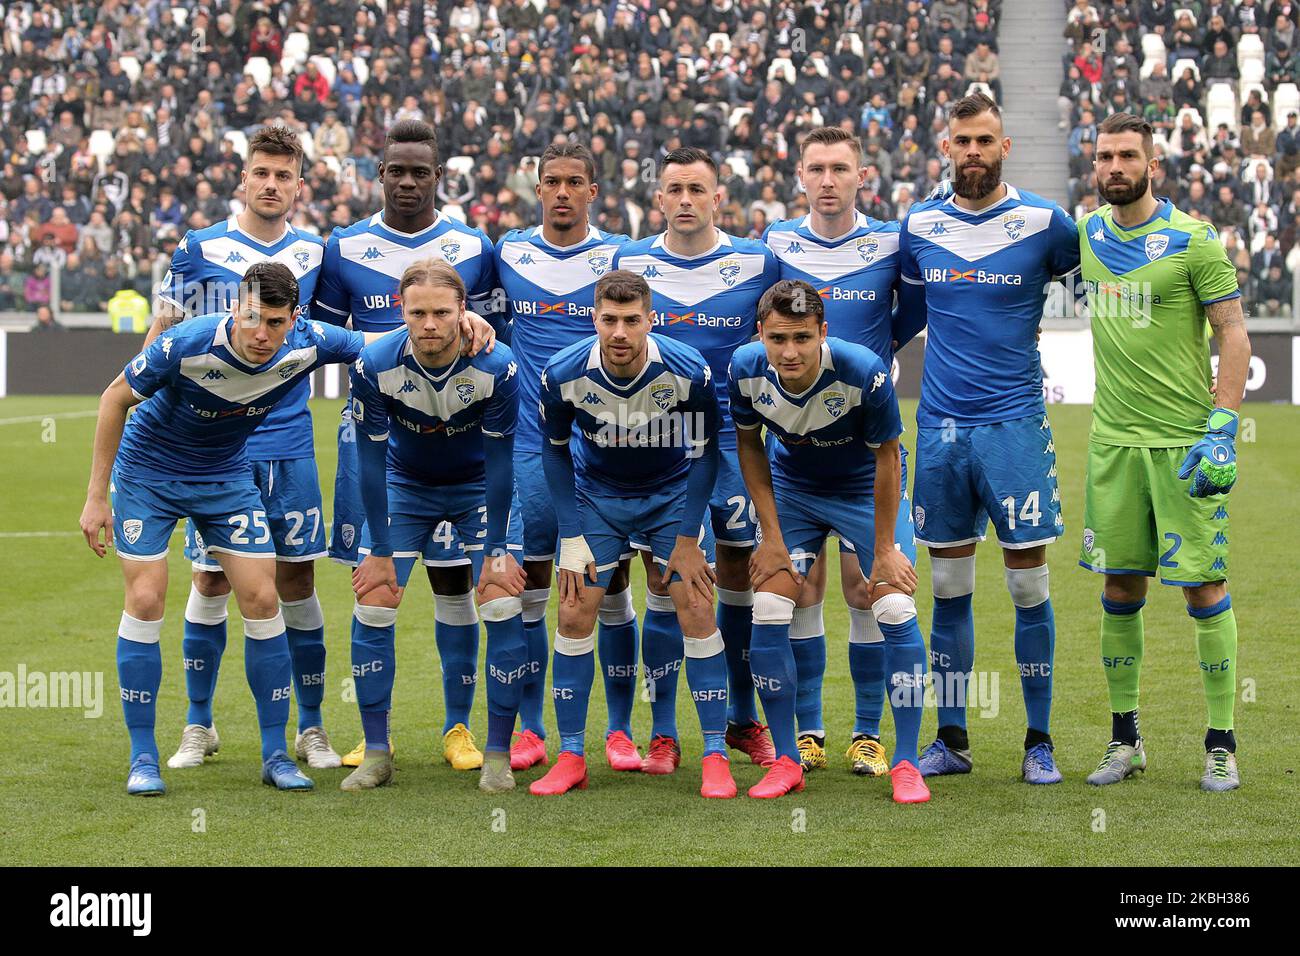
column 63, row 800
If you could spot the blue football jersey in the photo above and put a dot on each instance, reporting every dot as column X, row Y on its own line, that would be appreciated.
column 202, row 401
column 632, row 436
column 434, row 420
column 855, row 274
column 550, row 293
column 709, row 301
column 823, row 437
column 204, row 279
column 364, row 263
column 986, row 276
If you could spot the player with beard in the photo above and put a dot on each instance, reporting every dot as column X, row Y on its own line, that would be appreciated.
column 1155, row 277
column 986, row 257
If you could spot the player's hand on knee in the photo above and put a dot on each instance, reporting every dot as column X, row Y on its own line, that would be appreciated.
column 97, row 516
column 373, row 573
column 503, row 571
column 892, row 568
column 770, row 558
column 478, row 334
column 575, row 559
column 687, row 561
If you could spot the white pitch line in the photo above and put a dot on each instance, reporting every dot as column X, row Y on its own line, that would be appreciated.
column 29, row 419
column 39, row 534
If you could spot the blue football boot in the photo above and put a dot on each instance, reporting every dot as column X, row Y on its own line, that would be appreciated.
column 283, row 774
column 1039, row 767
column 144, row 779
column 939, row 760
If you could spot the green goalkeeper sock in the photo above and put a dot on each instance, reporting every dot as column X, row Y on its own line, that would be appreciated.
column 1216, row 644
column 1121, row 652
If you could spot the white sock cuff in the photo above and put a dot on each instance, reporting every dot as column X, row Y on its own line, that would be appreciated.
column 894, row 609
column 807, row 622
column 659, row 602
column 952, row 577
column 501, row 609
column 201, row 609
column 304, row 615
column 617, row 608
column 1028, row 586
column 863, row 628
column 372, row 616
column 141, row 632
column 455, row 608
column 770, row 608
column 574, row 646
column 265, row 629
column 534, row 603
column 710, row 646
column 735, row 598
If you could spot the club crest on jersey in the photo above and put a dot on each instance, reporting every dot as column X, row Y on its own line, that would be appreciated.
column 918, row 515
column 198, row 540
column 834, row 402
column 138, row 363
column 303, row 259
column 729, row 270
column 464, row 389
column 1013, row 223
column 1089, row 539
column 663, row 395
column 450, row 248
column 1156, row 245
column 349, row 534
column 868, row 248
column 132, row 529
column 598, row 261
column 286, row 370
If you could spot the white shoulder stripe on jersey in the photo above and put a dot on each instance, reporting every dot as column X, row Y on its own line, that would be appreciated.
column 691, row 286
column 235, row 255
column 383, row 255
column 975, row 241
column 556, row 275
column 829, row 263
column 831, row 403
column 238, row 385
column 418, row 393
column 654, row 400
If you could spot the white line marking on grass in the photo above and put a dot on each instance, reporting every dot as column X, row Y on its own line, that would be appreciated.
column 30, row 419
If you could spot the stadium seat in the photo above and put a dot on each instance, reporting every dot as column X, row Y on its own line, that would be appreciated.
column 736, row 114
column 101, row 145
column 308, row 145
column 180, row 16
column 260, row 70
column 1248, row 88
column 1286, row 99
column 978, row 87
column 36, row 141
column 739, row 166
column 1221, row 107
column 634, row 217
column 298, row 46
column 1197, row 119
column 240, row 141
column 1183, row 64
column 131, row 67
column 855, row 44
column 784, row 67
column 362, row 69
column 720, row 38
column 690, row 66
column 1252, row 71
column 461, row 164
column 1153, row 47
column 454, row 210
column 335, row 167
column 326, row 67
column 1250, row 48
column 1248, row 171
column 540, row 5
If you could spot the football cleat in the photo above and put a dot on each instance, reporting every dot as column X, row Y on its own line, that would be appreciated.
column 570, row 771
column 621, row 753
column 938, row 760
column 867, row 757
column 752, row 739
column 197, row 742
column 357, row 754
column 909, row 784
column 376, row 770
column 1220, row 771
column 527, row 751
column 784, row 776
column 144, row 780
column 1119, row 761
column 812, row 755
column 283, row 774
column 313, row 746
column 1039, row 765
column 458, row 749
column 495, row 777
column 664, row 756
column 717, row 783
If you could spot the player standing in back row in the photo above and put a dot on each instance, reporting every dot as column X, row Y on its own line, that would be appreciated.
column 1154, row 278
column 986, row 257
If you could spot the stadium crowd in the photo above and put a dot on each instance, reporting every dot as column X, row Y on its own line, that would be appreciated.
column 1218, row 81
column 123, row 123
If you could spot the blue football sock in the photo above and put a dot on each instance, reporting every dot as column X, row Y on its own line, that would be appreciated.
column 531, row 711
column 269, row 673
column 507, row 654
column 772, row 662
column 373, row 664
column 1035, row 643
column 304, row 627
column 139, row 675
column 735, row 620
column 867, row 668
column 661, row 652
column 573, row 671
column 616, row 637
column 904, row 670
column 202, row 644
column 455, row 631
column 952, row 655
column 706, row 675
column 810, row 669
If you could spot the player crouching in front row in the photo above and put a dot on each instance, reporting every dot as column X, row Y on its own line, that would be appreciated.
column 826, row 402
column 645, row 417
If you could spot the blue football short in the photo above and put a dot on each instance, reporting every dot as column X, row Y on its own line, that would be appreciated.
column 229, row 515
column 610, row 523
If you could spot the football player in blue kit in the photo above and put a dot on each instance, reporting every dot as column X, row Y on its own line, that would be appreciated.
column 986, row 257
column 435, row 435
column 833, row 468
column 201, row 389
column 363, row 265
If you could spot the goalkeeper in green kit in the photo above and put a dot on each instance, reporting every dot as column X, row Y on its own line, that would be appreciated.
column 1161, row 456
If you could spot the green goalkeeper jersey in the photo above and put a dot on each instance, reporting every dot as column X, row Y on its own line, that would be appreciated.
column 1147, row 291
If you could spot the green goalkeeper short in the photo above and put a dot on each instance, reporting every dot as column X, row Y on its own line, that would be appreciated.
column 1139, row 519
